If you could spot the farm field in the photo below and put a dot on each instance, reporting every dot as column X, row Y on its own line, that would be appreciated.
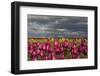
column 57, row 48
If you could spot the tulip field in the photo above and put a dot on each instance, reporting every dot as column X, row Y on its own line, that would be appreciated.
column 57, row 48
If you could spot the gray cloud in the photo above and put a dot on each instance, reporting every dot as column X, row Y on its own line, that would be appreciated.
column 44, row 25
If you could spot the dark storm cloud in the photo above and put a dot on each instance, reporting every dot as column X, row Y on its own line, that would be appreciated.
column 43, row 24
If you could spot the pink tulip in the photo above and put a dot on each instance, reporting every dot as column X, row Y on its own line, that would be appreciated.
column 41, row 53
column 57, row 50
column 56, row 43
column 37, row 43
column 44, row 47
column 38, row 52
column 53, row 58
column 40, row 46
column 48, row 48
column 46, row 58
column 34, row 53
column 75, row 50
column 51, row 50
column 30, row 47
column 65, row 43
column 62, row 49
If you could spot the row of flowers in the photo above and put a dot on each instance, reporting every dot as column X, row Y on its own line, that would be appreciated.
column 59, row 48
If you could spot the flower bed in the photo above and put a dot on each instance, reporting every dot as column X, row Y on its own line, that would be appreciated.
column 57, row 48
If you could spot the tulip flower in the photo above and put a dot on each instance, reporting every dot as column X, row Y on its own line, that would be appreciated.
column 44, row 47
column 65, row 43
column 33, row 53
column 52, row 49
column 41, row 53
column 38, row 52
column 53, row 57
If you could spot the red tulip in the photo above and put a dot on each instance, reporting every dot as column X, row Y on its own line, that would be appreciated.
column 53, row 57
column 37, row 43
column 40, row 46
column 57, row 50
column 56, row 43
column 52, row 53
column 41, row 53
column 83, row 49
column 48, row 48
column 38, row 52
column 51, row 50
column 44, row 47
column 30, row 47
column 30, row 51
column 62, row 49
column 34, row 53
column 46, row 58
column 65, row 43
column 75, row 50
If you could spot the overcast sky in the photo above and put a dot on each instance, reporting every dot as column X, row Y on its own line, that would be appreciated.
column 62, row 26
